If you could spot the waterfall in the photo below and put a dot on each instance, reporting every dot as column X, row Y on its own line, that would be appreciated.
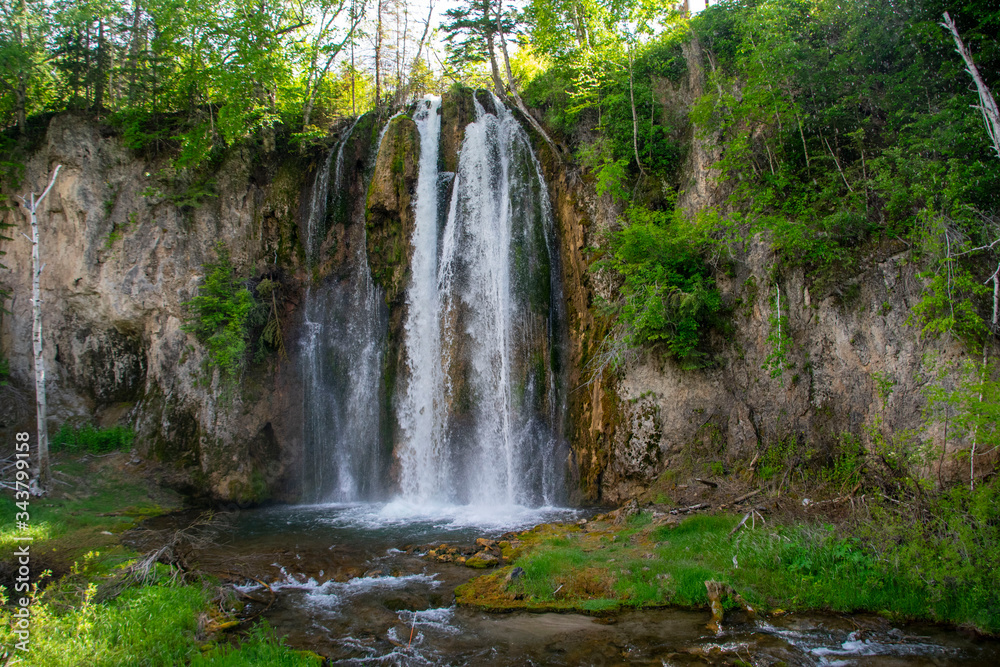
column 341, row 358
column 480, row 411
column 479, row 397
column 316, row 207
column 421, row 414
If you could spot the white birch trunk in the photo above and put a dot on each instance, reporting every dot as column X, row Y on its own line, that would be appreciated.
column 41, row 411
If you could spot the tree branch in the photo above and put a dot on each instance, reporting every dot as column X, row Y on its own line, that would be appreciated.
column 987, row 105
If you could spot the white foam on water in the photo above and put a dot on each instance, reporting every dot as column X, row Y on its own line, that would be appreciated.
column 487, row 517
column 400, row 655
column 414, row 515
column 438, row 618
column 835, row 649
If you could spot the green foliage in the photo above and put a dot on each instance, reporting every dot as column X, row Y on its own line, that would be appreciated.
column 91, row 439
column 118, row 632
column 471, row 30
column 599, row 74
column 950, row 544
column 826, row 142
column 669, row 295
column 238, row 321
column 779, row 339
column 953, row 292
column 779, row 457
column 847, row 464
column 964, row 397
column 220, row 316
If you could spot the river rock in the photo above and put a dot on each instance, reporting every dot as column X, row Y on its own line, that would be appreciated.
column 482, row 560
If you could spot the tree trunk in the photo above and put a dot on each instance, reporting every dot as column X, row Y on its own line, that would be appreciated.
column 21, row 102
column 133, row 53
column 514, row 92
column 987, row 104
column 378, row 56
column 101, row 68
column 494, row 70
column 41, row 413
column 635, row 117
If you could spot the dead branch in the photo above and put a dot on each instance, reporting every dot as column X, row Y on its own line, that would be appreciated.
column 692, row 508
column 746, row 496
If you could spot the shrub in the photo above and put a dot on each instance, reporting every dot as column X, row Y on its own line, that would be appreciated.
column 220, row 316
column 669, row 292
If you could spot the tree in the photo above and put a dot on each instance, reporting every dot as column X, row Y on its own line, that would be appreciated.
column 471, row 34
column 22, row 45
column 325, row 43
column 32, row 204
column 991, row 117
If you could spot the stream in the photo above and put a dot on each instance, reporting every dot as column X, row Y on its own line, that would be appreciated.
column 349, row 582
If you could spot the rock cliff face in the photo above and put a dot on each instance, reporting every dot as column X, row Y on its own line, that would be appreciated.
column 124, row 246
column 120, row 256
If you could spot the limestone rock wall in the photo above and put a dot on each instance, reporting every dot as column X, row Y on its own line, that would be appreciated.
column 121, row 255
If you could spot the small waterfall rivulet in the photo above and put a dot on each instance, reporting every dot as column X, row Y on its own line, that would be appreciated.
column 480, row 409
column 342, row 351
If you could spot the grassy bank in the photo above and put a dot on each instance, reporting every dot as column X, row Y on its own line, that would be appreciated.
column 90, row 606
column 655, row 561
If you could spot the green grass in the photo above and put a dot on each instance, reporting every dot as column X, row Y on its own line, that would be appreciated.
column 260, row 647
column 88, row 438
column 153, row 625
column 795, row 567
column 107, row 500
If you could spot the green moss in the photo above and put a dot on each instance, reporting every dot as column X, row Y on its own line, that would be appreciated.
column 479, row 563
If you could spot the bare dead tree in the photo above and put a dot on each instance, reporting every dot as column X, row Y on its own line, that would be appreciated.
column 987, row 104
column 32, row 204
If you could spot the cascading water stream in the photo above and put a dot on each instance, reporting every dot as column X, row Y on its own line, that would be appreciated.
column 342, row 352
column 482, row 329
column 421, row 418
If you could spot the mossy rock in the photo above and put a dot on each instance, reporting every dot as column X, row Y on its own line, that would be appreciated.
column 482, row 560
column 389, row 210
